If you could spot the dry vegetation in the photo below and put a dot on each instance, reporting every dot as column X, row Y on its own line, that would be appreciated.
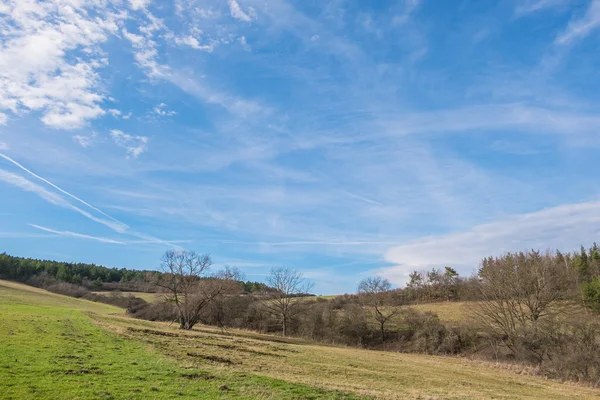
column 250, row 365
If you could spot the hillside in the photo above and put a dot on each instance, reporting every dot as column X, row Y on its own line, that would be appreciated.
column 53, row 346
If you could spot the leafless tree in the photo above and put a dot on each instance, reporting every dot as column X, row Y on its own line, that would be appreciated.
column 374, row 291
column 520, row 294
column 284, row 300
column 188, row 285
column 221, row 307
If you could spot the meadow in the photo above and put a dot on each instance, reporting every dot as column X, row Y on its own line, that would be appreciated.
column 57, row 347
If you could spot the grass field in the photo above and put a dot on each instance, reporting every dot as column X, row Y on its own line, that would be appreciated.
column 62, row 348
column 149, row 297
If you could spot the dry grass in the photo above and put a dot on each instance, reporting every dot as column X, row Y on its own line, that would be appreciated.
column 372, row 374
column 381, row 375
column 149, row 297
column 448, row 311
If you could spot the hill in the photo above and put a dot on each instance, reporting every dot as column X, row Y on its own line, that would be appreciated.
column 54, row 346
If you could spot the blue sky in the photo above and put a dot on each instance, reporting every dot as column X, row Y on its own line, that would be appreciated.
column 342, row 138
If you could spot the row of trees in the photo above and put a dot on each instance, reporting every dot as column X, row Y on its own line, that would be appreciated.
column 22, row 269
column 91, row 276
column 188, row 285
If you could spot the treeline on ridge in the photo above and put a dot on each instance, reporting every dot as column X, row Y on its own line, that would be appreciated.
column 89, row 276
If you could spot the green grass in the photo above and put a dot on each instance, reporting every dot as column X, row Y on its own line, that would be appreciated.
column 50, row 348
column 57, row 347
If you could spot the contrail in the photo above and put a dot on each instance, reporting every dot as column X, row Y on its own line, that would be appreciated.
column 7, row 158
column 125, row 227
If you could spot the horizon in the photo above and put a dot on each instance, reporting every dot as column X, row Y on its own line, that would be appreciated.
column 342, row 139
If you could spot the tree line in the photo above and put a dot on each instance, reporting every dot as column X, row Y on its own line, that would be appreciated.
column 89, row 276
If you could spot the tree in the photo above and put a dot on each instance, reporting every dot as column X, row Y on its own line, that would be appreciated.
column 284, row 299
column 450, row 281
column 188, row 286
column 519, row 293
column 374, row 291
column 222, row 306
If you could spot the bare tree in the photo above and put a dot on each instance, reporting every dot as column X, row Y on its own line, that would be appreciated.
column 188, row 285
column 375, row 291
column 519, row 296
column 284, row 301
column 221, row 309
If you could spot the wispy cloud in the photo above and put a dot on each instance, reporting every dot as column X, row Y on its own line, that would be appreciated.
column 7, row 158
column 53, row 198
column 582, row 26
column 194, row 43
column 237, row 12
column 77, row 235
column 134, row 145
column 564, row 227
column 407, row 8
column 85, row 141
column 161, row 110
column 526, row 7
column 234, row 104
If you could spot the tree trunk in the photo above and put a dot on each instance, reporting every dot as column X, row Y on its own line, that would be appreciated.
column 284, row 326
column 382, row 332
column 185, row 324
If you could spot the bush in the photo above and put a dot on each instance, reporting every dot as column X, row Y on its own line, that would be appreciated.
column 425, row 333
column 156, row 311
column 353, row 328
column 574, row 352
column 68, row 289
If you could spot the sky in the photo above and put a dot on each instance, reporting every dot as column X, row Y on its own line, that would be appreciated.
column 342, row 138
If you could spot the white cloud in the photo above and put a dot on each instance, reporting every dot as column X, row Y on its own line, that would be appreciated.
column 85, row 141
column 564, row 227
column 39, row 66
column 244, row 43
column 139, row 4
column 114, row 113
column 161, row 110
column 127, row 116
column 494, row 116
column 581, row 27
column 237, row 12
column 238, row 106
column 134, row 145
column 192, row 42
column 146, row 54
column 3, row 118
column 3, row 146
